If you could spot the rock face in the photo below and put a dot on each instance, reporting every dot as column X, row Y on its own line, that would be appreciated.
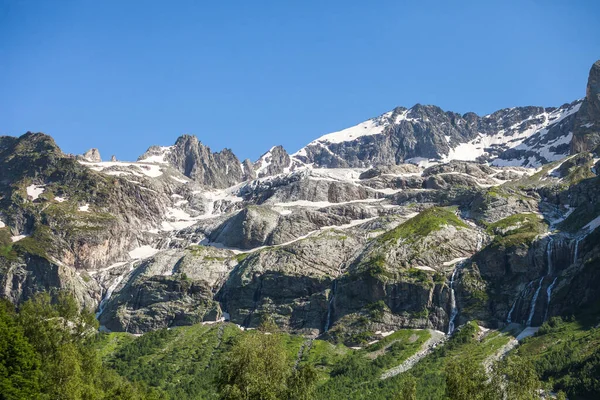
column 273, row 162
column 185, row 235
column 92, row 155
column 198, row 162
column 431, row 133
column 586, row 129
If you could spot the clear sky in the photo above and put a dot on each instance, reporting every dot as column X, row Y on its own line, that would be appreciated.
column 123, row 75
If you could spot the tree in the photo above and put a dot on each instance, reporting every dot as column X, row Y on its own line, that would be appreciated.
column 409, row 390
column 301, row 383
column 467, row 380
column 19, row 364
column 522, row 382
column 258, row 368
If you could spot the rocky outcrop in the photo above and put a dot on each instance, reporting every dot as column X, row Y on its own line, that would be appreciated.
column 173, row 288
column 198, row 162
column 248, row 170
column 289, row 283
column 273, row 162
column 335, row 252
column 92, row 155
column 428, row 132
column 586, row 129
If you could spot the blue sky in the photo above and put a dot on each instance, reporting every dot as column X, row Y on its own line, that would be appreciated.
column 123, row 75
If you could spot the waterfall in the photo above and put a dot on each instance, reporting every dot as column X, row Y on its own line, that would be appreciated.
column 330, row 306
column 479, row 242
column 549, row 293
column 512, row 309
column 576, row 253
column 533, row 301
column 519, row 297
column 108, row 294
column 453, row 309
column 549, row 255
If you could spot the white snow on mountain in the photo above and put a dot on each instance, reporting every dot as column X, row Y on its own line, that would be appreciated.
column 143, row 252
column 157, row 158
column 514, row 138
column 134, row 168
column 34, row 191
column 373, row 126
column 263, row 162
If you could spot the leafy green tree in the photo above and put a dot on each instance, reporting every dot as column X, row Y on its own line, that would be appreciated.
column 561, row 395
column 19, row 364
column 301, row 383
column 46, row 353
column 409, row 390
column 257, row 368
column 467, row 380
column 522, row 382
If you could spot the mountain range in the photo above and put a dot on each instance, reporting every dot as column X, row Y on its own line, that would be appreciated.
column 417, row 218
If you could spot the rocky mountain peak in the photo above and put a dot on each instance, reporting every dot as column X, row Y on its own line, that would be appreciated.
column 586, row 132
column 30, row 142
column 197, row 161
column 92, row 155
column 273, row 162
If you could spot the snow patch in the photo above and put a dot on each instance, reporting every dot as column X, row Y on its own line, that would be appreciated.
column 134, row 168
column 179, row 179
column 34, row 191
column 424, row 268
column 158, row 158
column 374, row 126
column 143, row 252
column 85, row 208
column 595, row 223
column 18, row 237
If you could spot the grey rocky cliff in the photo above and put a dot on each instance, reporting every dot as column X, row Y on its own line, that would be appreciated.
column 586, row 129
column 248, row 170
column 187, row 236
column 428, row 132
column 273, row 162
column 196, row 161
column 92, row 155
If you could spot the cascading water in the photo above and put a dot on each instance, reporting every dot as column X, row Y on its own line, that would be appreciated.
column 576, row 252
column 549, row 255
column 534, row 301
column 453, row 309
column 532, row 307
column 330, row 306
column 512, row 309
column 549, row 293
column 521, row 295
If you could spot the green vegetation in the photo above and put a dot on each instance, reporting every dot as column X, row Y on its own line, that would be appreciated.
column 516, row 229
column 566, row 355
column 580, row 217
column 258, row 367
column 51, row 350
column 426, row 222
column 37, row 244
column 6, row 245
column 204, row 252
column 47, row 352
